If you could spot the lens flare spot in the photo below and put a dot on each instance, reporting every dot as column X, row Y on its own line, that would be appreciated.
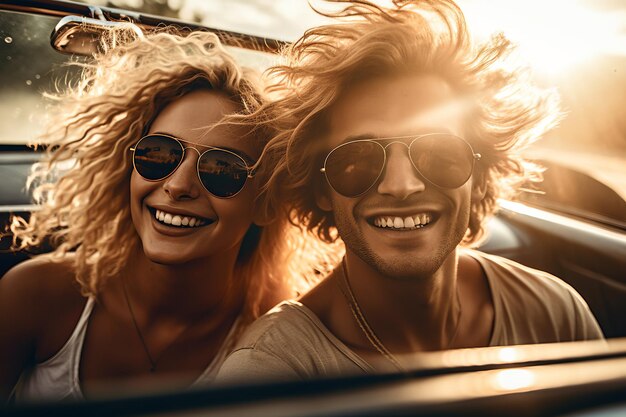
column 508, row 354
column 513, row 379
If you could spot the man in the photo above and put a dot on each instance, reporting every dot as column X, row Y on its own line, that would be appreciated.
column 402, row 135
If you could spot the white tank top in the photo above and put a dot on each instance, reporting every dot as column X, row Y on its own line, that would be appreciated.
column 57, row 378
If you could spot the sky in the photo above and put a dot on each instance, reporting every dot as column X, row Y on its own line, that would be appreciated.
column 552, row 34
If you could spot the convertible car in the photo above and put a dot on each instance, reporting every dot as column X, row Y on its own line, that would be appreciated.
column 574, row 227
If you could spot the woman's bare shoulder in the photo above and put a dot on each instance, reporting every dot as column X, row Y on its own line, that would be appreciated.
column 40, row 288
column 40, row 303
column 42, row 275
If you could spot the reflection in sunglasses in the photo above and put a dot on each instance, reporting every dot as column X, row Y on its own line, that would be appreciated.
column 222, row 173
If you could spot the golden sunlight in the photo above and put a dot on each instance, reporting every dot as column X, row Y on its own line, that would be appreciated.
column 513, row 379
column 554, row 35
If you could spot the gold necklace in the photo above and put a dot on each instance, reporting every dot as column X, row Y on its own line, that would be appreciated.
column 358, row 315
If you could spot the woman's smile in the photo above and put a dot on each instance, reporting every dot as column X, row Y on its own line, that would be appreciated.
column 174, row 219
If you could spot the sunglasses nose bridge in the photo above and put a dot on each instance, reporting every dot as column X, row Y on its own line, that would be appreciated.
column 387, row 151
column 399, row 177
column 193, row 148
column 184, row 183
column 394, row 142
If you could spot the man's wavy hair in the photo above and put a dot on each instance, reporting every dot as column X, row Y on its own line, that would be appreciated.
column 86, row 209
column 410, row 38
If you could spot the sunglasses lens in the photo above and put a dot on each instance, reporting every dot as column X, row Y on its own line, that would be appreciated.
column 222, row 173
column 157, row 156
column 353, row 168
column 445, row 160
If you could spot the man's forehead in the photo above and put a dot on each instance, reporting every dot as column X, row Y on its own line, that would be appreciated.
column 409, row 105
column 406, row 137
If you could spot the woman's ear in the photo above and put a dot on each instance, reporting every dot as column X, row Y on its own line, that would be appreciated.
column 262, row 218
column 263, row 215
column 322, row 200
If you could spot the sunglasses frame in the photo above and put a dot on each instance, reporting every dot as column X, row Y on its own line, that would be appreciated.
column 475, row 157
column 181, row 142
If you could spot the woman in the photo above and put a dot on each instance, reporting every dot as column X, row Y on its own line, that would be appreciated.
column 157, row 262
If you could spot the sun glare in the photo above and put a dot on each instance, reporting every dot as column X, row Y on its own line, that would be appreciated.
column 513, row 379
column 551, row 35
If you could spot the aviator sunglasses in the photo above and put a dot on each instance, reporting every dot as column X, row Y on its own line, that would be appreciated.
column 442, row 159
column 222, row 173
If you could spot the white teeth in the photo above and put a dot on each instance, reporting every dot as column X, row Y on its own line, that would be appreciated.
column 409, row 222
column 177, row 219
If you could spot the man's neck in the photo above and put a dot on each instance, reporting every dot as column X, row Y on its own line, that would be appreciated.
column 408, row 315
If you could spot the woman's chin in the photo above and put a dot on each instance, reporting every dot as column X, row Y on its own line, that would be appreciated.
column 164, row 256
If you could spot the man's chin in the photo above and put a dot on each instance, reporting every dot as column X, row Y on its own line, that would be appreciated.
column 407, row 271
column 403, row 267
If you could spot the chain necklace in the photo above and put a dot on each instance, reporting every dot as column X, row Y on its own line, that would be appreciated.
column 359, row 317
column 153, row 360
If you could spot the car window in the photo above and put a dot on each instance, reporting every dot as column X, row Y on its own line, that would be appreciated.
column 28, row 66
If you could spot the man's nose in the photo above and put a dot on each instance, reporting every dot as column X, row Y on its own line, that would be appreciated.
column 184, row 183
column 399, row 178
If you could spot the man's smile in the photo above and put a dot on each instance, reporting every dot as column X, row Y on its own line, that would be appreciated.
column 415, row 221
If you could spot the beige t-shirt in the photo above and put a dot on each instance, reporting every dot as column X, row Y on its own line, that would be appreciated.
column 290, row 342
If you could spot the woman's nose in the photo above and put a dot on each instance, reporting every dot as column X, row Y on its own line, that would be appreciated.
column 184, row 183
column 399, row 178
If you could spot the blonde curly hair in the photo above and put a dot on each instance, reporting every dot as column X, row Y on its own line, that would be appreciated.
column 85, row 210
column 412, row 37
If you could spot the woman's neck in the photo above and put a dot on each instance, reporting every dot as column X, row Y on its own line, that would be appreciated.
column 188, row 290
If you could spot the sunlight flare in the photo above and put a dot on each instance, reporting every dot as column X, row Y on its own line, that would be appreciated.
column 552, row 36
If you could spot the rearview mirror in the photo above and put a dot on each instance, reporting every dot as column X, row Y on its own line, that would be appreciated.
column 80, row 35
